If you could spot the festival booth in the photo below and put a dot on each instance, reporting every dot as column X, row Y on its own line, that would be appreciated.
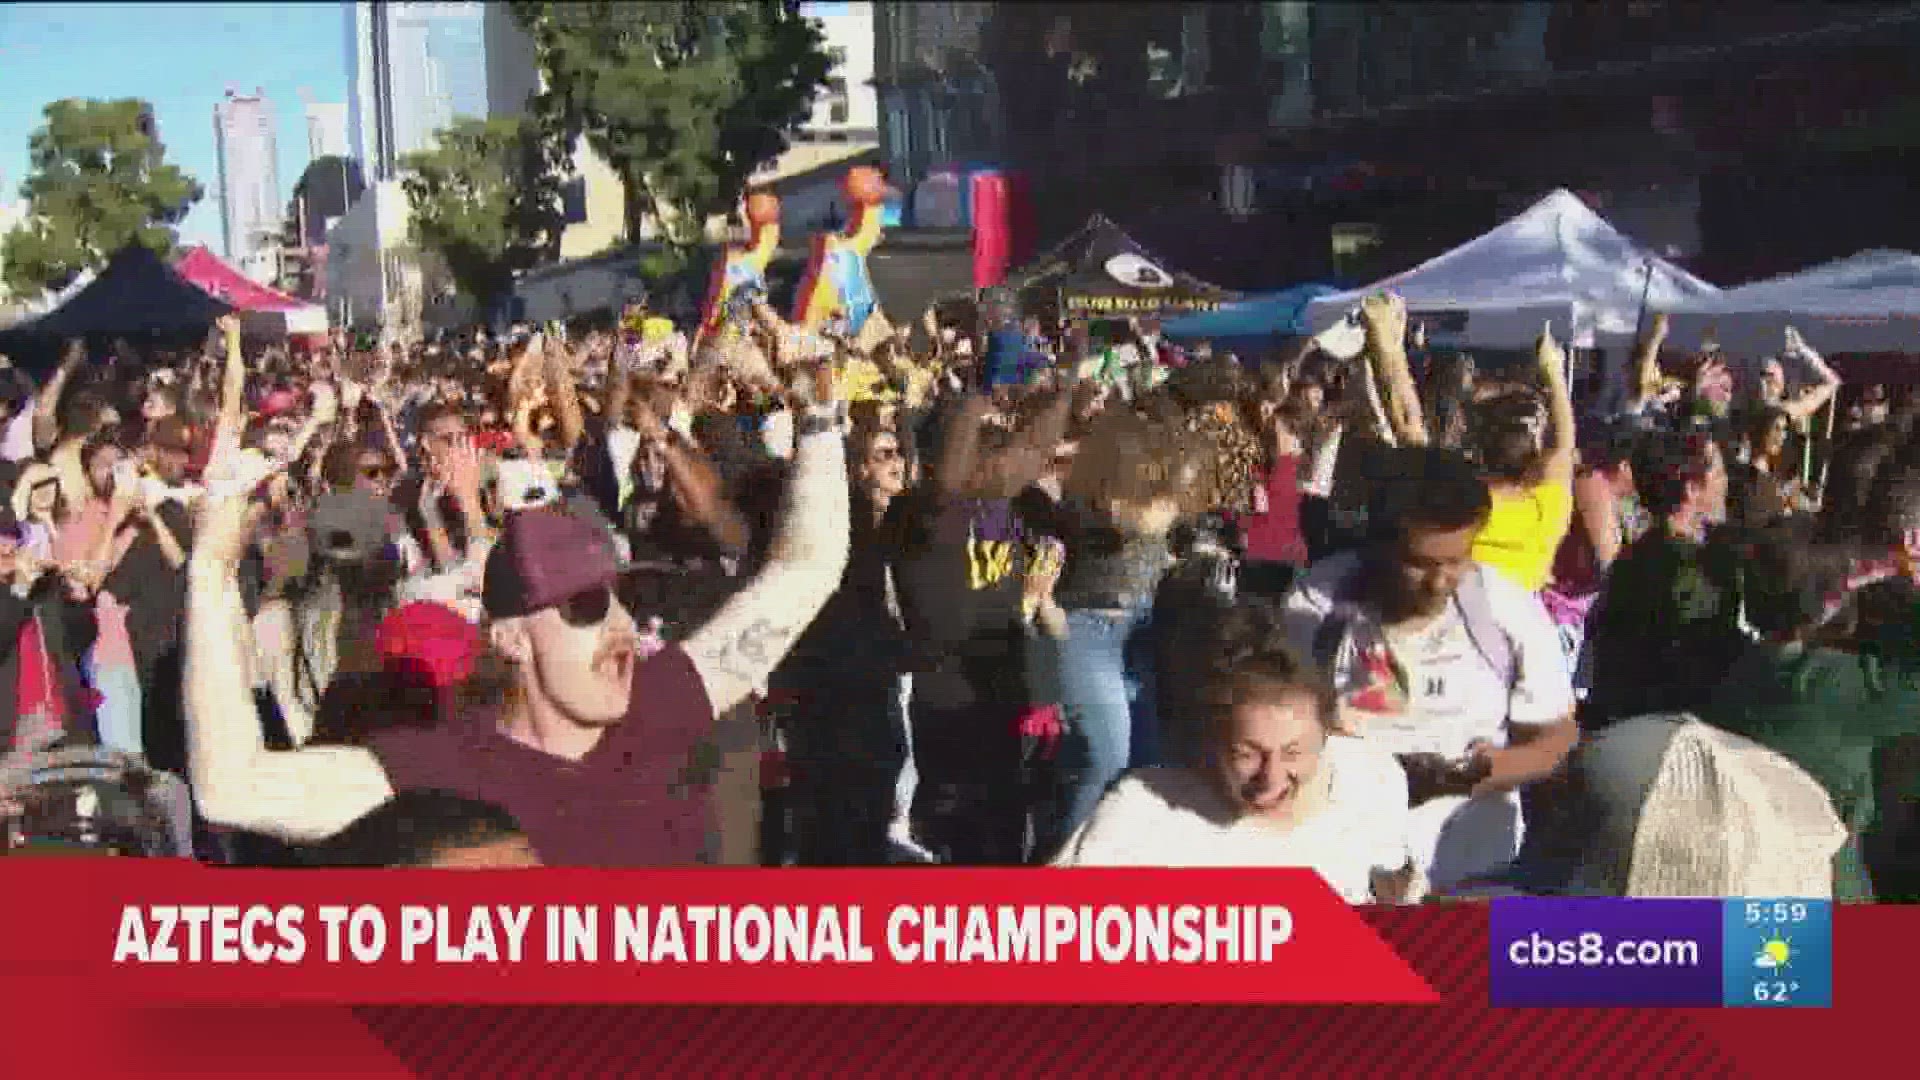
column 264, row 312
column 1102, row 273
column 1862, row 312
column 1555, row 263
column 1254, row 322
column 136, row 296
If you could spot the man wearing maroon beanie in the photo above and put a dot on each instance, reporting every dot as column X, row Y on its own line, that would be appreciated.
column 602, row 756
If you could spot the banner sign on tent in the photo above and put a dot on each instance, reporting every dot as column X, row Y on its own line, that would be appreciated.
column 1083, row 304
column 1101, row 272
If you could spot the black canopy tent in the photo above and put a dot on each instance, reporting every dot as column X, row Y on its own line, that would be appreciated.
column 136, row 296
column 1102, row 273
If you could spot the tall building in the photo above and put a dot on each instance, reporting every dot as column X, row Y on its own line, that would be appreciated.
column 411, row 69
column 848, row 110
column 593, row 197
column 250, row 210
column 327, row 130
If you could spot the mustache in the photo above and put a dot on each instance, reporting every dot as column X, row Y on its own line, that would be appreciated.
column 620, row 642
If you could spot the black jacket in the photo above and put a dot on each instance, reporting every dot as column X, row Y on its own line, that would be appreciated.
column 67, row 632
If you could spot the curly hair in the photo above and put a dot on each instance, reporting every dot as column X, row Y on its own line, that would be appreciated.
column 1231, row 454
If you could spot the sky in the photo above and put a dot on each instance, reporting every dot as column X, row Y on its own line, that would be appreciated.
column 181, row 58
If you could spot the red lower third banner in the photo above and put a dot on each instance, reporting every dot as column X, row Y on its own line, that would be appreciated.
column 160, row 933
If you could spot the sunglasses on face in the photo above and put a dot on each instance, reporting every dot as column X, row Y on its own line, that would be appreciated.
column 380, row 471
column 884, row 453
column 588, row 607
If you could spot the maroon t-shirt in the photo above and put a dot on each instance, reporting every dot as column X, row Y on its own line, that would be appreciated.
column 639, row 797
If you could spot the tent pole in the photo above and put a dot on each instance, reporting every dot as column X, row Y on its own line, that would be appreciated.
column 1618, row 387
column 1646, row 290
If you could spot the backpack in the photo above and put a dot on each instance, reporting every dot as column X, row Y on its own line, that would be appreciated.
column 1489, row 638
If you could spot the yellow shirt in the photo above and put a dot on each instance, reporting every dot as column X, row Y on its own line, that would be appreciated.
column 1524, row 531
column 920, row 378
column 861, row 380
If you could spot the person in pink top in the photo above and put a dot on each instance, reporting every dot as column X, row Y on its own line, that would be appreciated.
column 88, row 545
column 1276, row 545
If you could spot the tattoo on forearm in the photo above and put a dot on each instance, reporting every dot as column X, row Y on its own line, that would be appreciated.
column 753, row 651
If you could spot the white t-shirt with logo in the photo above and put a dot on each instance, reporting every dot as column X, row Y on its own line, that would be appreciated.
column 1453, row 697
column 1178, row 818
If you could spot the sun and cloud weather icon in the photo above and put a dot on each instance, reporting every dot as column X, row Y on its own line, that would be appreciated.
column 1774, row 954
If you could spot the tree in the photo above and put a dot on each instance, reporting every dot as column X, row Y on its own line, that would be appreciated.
column 326, row 188
column 486, row 200
column 99, row 182
column 683, row 100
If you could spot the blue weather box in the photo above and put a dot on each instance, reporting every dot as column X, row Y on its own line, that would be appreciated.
column 1778, row 953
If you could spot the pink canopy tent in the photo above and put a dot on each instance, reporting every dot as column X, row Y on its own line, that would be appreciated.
column 263, row 310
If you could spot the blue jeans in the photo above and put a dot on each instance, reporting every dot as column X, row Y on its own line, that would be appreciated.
column 118, row 715
column 1102, row 676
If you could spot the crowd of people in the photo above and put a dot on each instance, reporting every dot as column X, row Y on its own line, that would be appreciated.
column 968, row 595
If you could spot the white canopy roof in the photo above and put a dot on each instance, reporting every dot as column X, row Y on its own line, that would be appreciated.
column 1869, row 302
column 1557, row 262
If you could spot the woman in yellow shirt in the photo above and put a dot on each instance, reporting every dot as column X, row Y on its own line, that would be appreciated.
column 1530, row 472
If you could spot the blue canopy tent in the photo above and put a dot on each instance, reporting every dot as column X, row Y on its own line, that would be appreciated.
column 1256, row 320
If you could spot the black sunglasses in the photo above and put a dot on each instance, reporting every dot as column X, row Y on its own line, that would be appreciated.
column 588, row 607
column 377, row 472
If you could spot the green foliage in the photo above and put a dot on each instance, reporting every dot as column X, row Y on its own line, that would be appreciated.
column 99, row 182
column 486, row 200
column 683, row 99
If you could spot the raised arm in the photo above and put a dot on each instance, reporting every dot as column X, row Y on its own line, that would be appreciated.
column 696, row 484
column 1560, row 441
column 959, row 447
column 1032, row 448
column 298, row 795
column 1386, row 323
column 1646, row 375
column 233, row 382
column 46, row 404
column 1374, row 409
column 1826, row 380
column 740, row 646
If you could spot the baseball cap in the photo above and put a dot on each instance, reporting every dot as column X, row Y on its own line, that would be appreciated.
column 544, row 555
column 348, row 526
column 428, row 643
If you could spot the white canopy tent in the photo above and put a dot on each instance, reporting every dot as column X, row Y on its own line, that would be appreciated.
column 1556, row 262
column 1864, row 303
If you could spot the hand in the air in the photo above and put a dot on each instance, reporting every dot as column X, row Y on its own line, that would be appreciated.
column 224, row 521
column 1385, row 317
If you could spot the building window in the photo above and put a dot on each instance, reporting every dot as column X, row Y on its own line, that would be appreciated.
column 839, row 105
